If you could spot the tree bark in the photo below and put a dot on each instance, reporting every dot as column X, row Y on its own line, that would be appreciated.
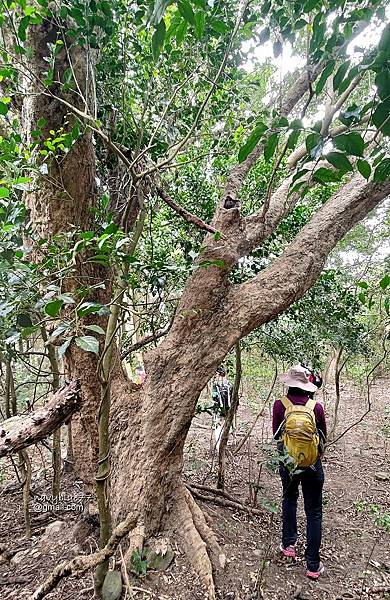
column 20, row 432
column 61, row 203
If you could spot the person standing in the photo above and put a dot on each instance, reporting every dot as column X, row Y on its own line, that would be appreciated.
column 299, row 426
column 221, row 394
column 314, row 377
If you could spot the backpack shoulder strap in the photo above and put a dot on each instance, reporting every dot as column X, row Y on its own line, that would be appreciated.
column 286, row 402
column 310, row 404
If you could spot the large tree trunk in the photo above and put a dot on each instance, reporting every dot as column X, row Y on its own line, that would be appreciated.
column 150, row 422
column 61, row 203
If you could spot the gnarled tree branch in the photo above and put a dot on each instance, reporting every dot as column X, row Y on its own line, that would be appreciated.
column 286, row 280
column 23, row 431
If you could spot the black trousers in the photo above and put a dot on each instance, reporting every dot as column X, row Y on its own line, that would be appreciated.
column 312, row 481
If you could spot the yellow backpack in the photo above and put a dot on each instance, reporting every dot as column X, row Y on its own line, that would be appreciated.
column 300, row 435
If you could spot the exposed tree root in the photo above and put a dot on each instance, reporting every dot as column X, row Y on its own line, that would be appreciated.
column 221, row 500
column 213, row 490
column 190, row 525
column 78, row 565
column 218, row 558
column 191, row 528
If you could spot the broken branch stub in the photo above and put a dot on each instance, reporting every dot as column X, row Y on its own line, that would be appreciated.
column 23, row 431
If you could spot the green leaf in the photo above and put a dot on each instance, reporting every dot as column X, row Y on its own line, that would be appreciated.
column 363, row 285
column 384, row 42
column 300, row 24
column 24, row 320
column 3, row 108
column 88, row 308
column 23, row 27
column 270, row 146
column 382, row 82
column 96, row 329
column 384, row 282
column 53, row 308
column 277, row 48
column 217, row 236
column 185, row 9
column 340, row 161
column 27, row 331
column 88, row 343
column 382, row 172
column 220, row 26
column 111, row 228
column 67, row 76
column 181, row 32
column 199, row 24
column 310, row 4
column 326, row 175
column 63, row 348
column 252, row 141
column 313, row 144
column 351, row 143
column 296, row 124
column 340, row 74
column 299, row 174
column 364, row 168
column 381, row 117
column 293, row 139
column 158, row 38
column 362, row 297
column 324, row 76
column 4, row 192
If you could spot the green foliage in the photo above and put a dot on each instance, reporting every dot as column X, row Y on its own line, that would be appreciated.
column 139, row 563
column 378, row 513
column 157, row 62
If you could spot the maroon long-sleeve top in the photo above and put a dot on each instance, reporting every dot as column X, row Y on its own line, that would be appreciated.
column 278, row 413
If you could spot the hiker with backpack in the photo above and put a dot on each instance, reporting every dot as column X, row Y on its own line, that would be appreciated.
column 299, row 426
column 221, row 394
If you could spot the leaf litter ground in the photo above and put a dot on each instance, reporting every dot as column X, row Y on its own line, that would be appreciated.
column 356, row 546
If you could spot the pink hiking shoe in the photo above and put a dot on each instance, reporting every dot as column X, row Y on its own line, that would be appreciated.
column 290, row 551
column 315, row 574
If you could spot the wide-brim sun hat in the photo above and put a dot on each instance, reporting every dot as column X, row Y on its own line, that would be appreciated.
column 297, row 377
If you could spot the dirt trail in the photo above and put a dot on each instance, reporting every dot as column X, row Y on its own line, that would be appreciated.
column 356, row 547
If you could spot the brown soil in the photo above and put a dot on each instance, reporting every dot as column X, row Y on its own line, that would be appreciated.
column 356, row 547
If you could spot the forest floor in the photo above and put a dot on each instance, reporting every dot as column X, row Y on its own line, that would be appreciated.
column 355, row 550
